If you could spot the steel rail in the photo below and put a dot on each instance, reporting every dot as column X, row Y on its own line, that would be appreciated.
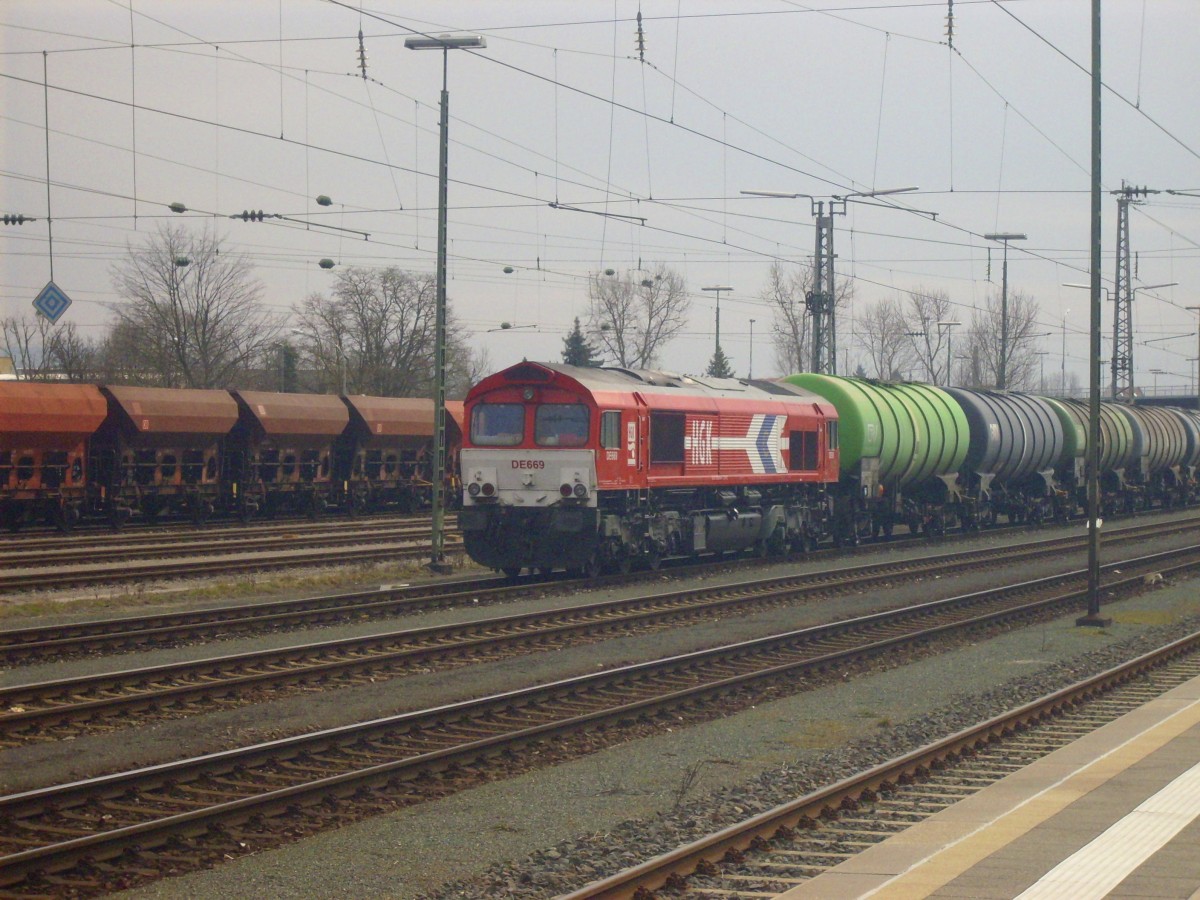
column 194, row 545
column 148, row 807
column 118, row 573
column 18, row 645
column 675, row 867
column 30, row 710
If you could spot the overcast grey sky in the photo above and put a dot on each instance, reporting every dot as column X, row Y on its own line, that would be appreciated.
column 225, row 105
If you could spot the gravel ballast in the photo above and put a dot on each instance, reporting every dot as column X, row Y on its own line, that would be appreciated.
column 555, row 828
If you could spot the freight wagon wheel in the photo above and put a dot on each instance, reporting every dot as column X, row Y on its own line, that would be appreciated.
column 64, row 518
column 653, row 560
column 625, row 564
column 151, row 508
column 512, row 573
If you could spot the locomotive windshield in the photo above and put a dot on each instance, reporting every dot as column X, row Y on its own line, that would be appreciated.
column 561, row 425
column 498, row 424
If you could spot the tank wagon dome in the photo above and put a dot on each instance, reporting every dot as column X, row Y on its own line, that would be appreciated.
column 916, row 431
column 1013, row 435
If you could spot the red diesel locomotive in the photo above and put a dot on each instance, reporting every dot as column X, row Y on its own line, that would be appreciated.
column 597, row 469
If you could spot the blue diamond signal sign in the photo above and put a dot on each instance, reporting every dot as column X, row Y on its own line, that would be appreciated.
column 51, row 302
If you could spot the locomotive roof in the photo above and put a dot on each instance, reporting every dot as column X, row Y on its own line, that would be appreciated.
column 614, row 378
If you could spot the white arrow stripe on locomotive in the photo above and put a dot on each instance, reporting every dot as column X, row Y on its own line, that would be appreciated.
column 762, row 444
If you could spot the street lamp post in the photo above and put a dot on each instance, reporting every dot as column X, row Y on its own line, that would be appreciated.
column 1196, row 309
column 1002, row 369
column 1128, row 348
column 822, row 300
column 1042, row 354
column 1156, row 373
column 949, row 326
column 717, row 290
column 750, row 374
column 1063, row 386
column 445, row 43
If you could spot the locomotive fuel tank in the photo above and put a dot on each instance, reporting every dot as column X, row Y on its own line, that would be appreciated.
column 1013, row 436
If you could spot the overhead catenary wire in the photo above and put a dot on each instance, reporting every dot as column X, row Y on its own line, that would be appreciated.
column 724, row 151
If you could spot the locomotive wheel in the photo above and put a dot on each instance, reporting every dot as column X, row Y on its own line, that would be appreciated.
column 653, row 560
column 593, row 568
column 625, row 564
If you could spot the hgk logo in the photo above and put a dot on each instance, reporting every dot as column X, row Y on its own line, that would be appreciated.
column 702, row 443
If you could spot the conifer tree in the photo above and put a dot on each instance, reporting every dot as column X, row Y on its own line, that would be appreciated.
column 577, row 350
column 718, row 366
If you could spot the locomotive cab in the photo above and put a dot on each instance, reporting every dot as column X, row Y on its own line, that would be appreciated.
column 529, row 476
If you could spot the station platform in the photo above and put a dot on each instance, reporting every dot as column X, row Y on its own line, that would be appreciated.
column 1114, row 814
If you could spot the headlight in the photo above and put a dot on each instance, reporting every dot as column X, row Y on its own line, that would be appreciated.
column 489, row 489
column 473, row 489
column 565, row 490
column 581, row 490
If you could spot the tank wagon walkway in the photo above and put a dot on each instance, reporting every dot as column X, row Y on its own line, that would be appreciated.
column 1115, row 814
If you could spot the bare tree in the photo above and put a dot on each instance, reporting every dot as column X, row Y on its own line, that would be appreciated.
column 26, row 343
column 192, row 310
column 635, row 317
column 376, row 333
column 76, row 358
column 40, row 349
column 1021, row 362
column 791, row 324
column 883, row 339
column 786, row 292
column 925, row 308
column 971, row 364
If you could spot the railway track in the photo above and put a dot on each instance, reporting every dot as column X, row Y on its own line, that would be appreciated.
column 181, row 559
column 101, row 530
column 175, row 544
column 183, row 534
column 101, row 833
column 24, row 646
column 777, row 850
column 66, row 708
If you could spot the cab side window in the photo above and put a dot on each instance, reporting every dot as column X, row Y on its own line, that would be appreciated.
column 610, row 430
